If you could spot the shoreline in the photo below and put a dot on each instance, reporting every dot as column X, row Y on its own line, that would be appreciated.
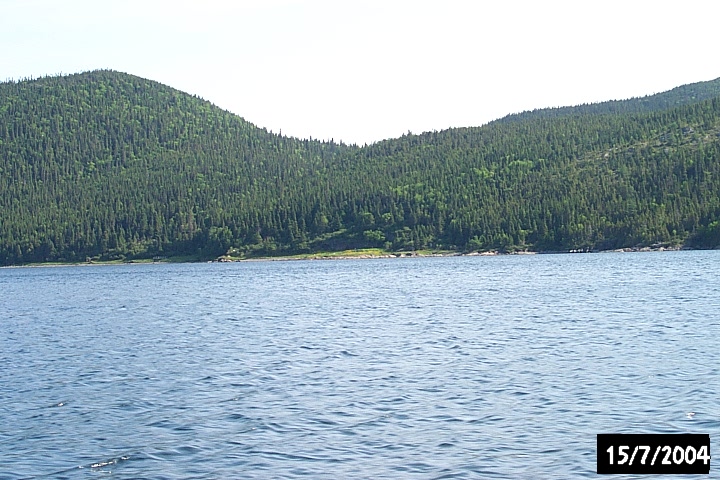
column 492, row 253
column 363, row 254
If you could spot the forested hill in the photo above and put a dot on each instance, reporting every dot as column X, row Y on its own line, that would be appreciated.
column 107, row 165
column 679, row 96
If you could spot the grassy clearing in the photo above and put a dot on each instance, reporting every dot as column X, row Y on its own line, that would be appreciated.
column 352, row 253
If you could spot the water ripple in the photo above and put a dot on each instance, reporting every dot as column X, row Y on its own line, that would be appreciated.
column 480, row 367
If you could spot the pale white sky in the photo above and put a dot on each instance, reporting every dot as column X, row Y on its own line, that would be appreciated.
column 362, row 71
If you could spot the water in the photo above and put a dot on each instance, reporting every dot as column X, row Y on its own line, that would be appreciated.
column 463, row 367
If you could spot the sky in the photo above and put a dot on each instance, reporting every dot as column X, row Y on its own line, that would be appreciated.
column 363, row 71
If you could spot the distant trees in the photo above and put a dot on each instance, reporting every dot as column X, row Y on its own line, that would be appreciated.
column 108, row 165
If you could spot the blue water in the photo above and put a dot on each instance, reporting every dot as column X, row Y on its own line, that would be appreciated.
column 461, row 367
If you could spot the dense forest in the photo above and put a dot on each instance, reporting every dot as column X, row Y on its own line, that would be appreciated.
column 105, row 165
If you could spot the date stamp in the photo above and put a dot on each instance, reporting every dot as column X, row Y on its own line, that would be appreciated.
column 653, row 454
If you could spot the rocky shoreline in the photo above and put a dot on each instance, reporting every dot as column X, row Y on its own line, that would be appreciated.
column 366, row 256
column 492, row 253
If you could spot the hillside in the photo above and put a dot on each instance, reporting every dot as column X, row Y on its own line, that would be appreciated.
column 677, row 97
column 108, row 165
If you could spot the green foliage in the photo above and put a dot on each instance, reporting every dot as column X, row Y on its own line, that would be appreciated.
column 376, row 237
column 108, row 165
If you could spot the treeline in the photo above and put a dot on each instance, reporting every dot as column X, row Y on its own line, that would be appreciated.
column 107, row 165
column 679, row 96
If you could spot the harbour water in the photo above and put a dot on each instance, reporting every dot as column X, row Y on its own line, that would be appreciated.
column 459, row 367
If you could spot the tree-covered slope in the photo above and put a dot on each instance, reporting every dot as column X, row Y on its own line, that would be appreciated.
column 677, row 97
column 109, row 165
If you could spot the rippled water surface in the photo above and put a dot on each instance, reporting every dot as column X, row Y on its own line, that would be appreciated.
column 462, row 367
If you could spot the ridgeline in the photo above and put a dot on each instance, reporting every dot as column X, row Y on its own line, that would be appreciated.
column 109, row 166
